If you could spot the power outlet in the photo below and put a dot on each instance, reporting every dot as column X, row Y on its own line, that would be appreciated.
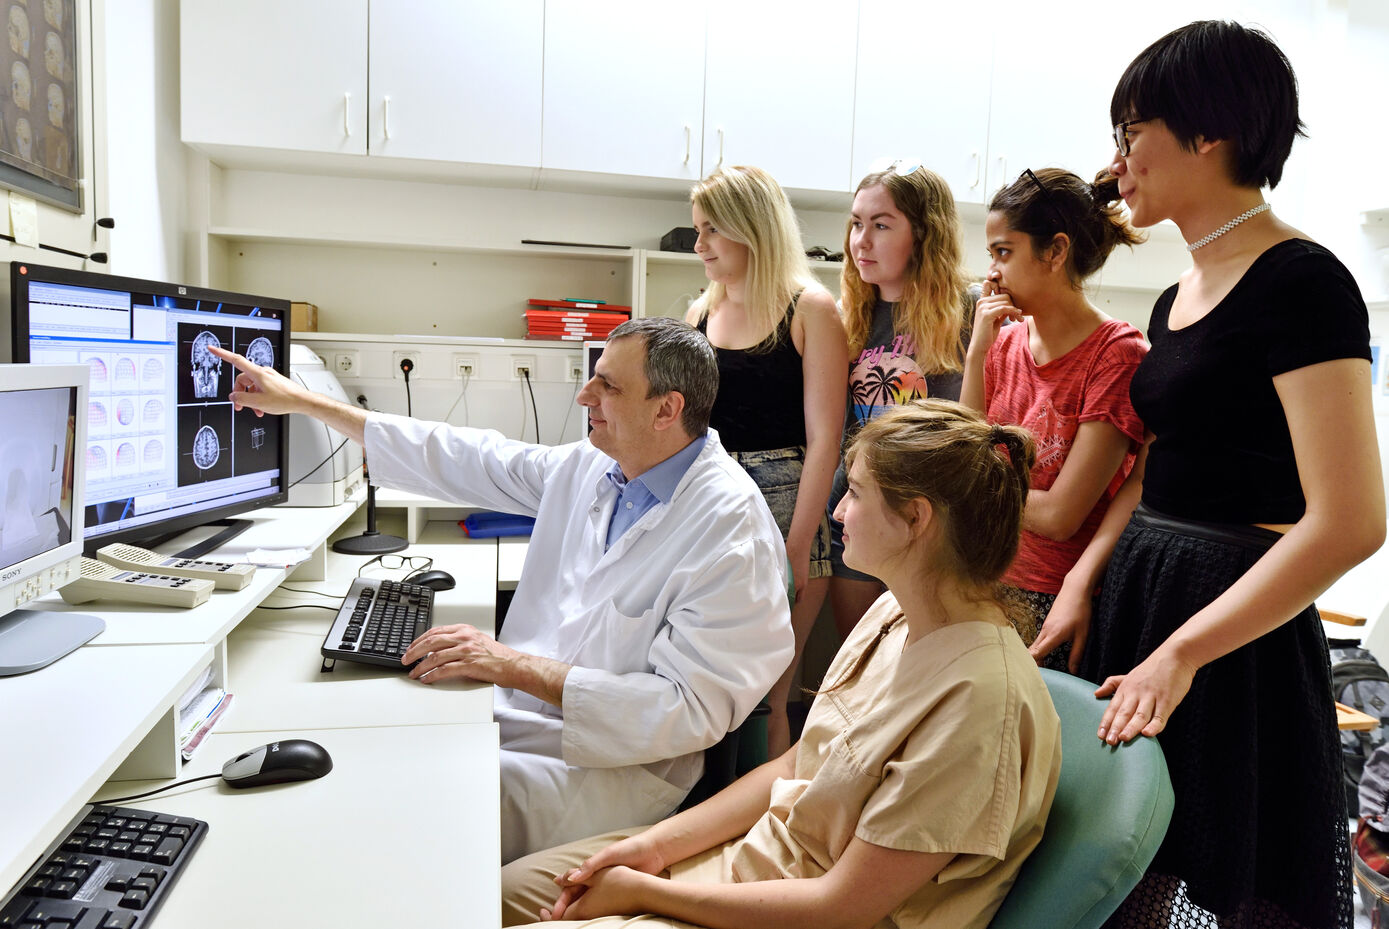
column 346, row 364
column 576, row 368
column 398, row 357
column 464, row 366
column 520, row 363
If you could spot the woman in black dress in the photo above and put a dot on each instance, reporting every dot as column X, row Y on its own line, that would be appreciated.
column 1261, row 486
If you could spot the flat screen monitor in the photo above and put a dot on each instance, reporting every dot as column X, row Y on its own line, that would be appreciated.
column 43, row 410
column 165, row 450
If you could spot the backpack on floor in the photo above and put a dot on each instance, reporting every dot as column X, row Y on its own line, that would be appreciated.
column 1359, row 681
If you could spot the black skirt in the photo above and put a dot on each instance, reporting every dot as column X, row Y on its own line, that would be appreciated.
column 1259, row 835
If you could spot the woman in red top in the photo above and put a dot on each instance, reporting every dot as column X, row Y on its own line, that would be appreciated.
column 1044, row 357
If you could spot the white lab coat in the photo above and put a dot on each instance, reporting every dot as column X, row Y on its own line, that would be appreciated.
column 674, row 634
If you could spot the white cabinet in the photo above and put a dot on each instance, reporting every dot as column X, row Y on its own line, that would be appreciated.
column 275, row 75
column 448, row 82
column 930, row 106
column 779, row 89
column 624, row 88
column 1053, row 76
column 456, row 81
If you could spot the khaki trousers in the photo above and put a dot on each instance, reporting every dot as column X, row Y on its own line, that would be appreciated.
column 528, row 883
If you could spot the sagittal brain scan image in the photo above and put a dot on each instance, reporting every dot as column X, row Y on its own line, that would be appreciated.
column 206, row 366
column 261, row 352
column 206, row 450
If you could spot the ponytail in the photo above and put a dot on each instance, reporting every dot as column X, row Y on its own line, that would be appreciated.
column 1091, row 215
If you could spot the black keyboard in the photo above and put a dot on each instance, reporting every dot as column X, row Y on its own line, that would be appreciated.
column 111, row 869
column 378, row 621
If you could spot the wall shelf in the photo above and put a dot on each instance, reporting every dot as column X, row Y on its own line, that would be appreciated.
column 350, row 240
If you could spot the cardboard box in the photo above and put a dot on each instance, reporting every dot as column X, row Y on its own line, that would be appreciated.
column 303, row 317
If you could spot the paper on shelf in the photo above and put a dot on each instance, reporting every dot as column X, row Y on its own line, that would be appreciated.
column 191, row 746
column 193, row 691
column 277, row 557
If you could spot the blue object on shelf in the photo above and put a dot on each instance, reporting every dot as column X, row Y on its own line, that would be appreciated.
column 491, row 525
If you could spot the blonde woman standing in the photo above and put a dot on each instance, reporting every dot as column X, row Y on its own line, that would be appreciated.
column 782, row 358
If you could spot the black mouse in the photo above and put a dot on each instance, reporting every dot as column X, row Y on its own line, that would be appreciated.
column 285, row 760
column 434, row 580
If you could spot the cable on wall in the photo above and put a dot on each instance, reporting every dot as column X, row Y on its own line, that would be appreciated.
column 463, row 397
column 535, row 412
column 406, row 366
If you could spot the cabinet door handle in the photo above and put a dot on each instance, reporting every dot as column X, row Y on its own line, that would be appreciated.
column 1002, row 169
column 720, row 148
column 687, row 145
column 346, row 105
column 977, row 160
column 386, row 117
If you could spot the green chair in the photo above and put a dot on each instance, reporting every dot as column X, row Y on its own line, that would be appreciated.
column 1111, row 811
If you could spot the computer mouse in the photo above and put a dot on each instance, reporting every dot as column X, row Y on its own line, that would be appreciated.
column 434, row 580
column 285, row 760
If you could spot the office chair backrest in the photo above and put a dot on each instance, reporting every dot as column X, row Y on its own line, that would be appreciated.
column 1110, row 813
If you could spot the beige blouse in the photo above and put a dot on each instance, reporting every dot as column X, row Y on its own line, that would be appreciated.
column 951, row 745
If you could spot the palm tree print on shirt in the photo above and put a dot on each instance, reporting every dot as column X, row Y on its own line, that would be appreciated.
column 885, row 376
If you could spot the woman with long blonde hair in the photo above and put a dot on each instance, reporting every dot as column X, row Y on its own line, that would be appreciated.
column 782, row 362
column 907, row 306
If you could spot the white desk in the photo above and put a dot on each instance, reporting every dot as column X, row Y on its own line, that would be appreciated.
column 66, row 729
column 95, row 719
column 275, row 659
column 403, row 831
column 511, row 558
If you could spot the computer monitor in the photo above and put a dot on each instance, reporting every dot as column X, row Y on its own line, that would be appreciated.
column 44, row 412
column 165, row 450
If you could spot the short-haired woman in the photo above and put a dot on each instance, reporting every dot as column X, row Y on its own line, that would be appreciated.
column 1262, row 486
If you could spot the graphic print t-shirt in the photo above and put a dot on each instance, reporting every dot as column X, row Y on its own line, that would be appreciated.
column 885, row 373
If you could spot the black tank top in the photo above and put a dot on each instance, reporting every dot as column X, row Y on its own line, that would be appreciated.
column 760, row 404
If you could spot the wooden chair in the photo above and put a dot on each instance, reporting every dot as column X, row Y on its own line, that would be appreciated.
column 1348, row 717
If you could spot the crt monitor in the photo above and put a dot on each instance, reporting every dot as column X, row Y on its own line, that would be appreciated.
column 165, row 450
column 44, row 414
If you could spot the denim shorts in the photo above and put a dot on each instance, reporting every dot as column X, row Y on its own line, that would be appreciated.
column 777, row 473
column 837, row 566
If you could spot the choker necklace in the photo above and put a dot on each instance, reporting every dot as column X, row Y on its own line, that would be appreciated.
column 1208, row 239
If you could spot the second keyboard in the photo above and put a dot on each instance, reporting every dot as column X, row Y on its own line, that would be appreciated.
column 378, row 620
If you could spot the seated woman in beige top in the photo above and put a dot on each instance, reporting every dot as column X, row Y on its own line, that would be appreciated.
column 928, row 763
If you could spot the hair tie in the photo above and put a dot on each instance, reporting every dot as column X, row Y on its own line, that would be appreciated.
column 998, row 435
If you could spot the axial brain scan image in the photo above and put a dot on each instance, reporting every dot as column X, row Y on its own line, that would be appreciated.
column 206, row 449
column 207, row 367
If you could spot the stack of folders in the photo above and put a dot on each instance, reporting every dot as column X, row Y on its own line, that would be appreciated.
column 573, row 319
column 199, row 709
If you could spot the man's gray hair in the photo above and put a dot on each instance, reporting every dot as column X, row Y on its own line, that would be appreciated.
column 680, row 358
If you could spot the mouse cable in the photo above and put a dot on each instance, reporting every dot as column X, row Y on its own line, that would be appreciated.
column 293, row 484
column 157, row 790
column 316, row 593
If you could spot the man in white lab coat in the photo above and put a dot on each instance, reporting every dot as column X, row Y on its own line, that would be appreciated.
column 651, row 615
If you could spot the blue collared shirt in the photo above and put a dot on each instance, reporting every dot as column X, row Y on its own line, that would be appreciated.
column 655, row 485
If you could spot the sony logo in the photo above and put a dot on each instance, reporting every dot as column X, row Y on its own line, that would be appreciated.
column 5, row 578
